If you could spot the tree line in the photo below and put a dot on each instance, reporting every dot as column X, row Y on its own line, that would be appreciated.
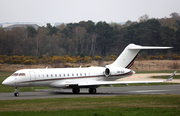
column 56, row 60
column 88, row 38
column 31, row 60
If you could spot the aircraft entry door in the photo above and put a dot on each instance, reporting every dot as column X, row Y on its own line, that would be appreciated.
column 32, row 78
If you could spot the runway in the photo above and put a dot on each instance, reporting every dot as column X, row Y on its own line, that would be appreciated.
column 102, row 91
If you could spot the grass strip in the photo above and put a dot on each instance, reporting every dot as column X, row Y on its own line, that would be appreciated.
column 165, row 77
column 99, row 112
column 116, row 105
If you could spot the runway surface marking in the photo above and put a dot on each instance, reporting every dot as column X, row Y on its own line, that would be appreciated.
column 148, row 91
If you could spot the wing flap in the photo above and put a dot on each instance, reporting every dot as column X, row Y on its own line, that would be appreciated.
column 98, row 83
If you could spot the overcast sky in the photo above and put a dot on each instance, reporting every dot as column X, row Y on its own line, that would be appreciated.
column 44, row 11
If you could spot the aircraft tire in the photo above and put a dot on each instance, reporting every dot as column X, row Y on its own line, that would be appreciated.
column 92, row 90
column 75, row 90
column 16, row 94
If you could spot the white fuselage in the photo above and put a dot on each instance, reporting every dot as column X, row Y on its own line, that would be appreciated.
column 60, row 77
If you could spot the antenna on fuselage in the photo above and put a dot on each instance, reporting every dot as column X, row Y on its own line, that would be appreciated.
column 47, row 67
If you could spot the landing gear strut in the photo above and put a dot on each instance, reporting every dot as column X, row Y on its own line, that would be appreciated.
column 75, row 90
column 16, row 93
column 92, row 90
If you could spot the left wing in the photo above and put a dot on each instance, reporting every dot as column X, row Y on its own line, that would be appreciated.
column 122, row 82
column 99, row 83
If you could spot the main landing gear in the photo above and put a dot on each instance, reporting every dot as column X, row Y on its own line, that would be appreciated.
column 16, row 93
column 75, row 90
column 91, row 90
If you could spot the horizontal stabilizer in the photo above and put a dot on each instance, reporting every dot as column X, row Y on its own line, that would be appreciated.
column 138, row 47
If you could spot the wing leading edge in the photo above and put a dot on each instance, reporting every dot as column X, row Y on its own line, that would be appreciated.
column 99, row 83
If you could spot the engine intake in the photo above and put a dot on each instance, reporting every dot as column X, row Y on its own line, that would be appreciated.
column 115, row 71
column 107, row 72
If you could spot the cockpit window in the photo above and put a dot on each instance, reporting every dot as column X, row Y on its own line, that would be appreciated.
column 14, row 74
column 22, row 74
column 18, row 74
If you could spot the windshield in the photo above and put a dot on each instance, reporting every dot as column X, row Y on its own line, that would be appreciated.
column 18, row 74
column 14, row 74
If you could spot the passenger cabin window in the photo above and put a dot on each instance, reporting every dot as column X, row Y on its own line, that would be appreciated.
column 47, row 75
column 51, row 75
column 59, row 75
column 72, row 74
column 55, row 75
column 38, row 75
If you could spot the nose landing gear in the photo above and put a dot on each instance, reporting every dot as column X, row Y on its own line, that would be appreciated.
column 16, row 93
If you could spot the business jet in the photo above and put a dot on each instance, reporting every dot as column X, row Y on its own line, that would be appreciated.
column 76, row 78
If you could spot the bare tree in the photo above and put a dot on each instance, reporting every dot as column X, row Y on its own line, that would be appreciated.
column 128, row 23
column 79, row 34
column 143, row 18
column 175, row 16
column 93, row 44
column 62, row 26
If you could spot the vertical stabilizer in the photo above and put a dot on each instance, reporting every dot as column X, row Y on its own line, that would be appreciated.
column 127, row 57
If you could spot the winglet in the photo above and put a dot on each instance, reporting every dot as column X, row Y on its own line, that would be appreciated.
column 171, row 77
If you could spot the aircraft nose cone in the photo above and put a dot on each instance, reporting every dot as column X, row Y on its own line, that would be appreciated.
column 7, row 82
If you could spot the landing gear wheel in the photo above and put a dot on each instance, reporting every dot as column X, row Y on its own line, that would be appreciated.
column 75, row 90
column 92, row 90
column 16, row 94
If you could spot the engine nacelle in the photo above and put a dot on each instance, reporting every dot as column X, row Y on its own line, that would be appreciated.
column 116, row 71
